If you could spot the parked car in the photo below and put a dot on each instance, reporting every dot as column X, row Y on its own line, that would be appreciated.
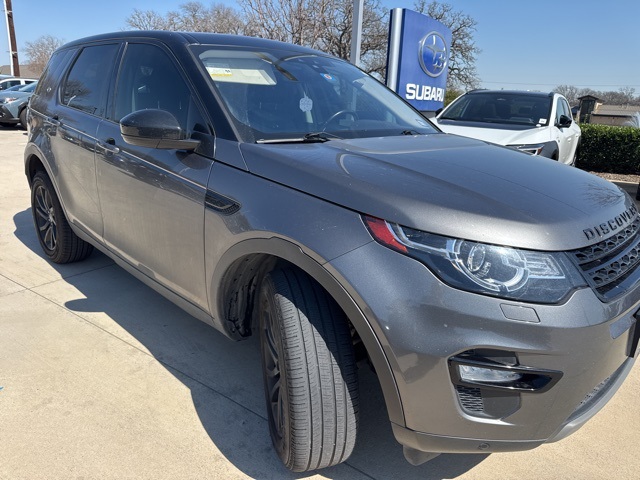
column 536, row 123
column 9, row 81
column 13, row 105
column 273, row 190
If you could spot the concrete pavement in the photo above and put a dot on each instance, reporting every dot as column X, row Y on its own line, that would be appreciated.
column 101, row 378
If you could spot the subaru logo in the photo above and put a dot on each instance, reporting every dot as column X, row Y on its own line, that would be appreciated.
column 433, row 54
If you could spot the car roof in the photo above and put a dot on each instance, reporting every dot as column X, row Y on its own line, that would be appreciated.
column 186, row 38
column 511, row 92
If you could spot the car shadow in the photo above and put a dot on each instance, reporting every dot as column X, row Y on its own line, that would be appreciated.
column 224, row 376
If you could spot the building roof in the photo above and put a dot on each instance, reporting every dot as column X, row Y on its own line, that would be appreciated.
column 588, row 96
column 616, row 110
column 25, row 71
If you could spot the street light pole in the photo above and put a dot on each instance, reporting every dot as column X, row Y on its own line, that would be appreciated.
column 13, row 49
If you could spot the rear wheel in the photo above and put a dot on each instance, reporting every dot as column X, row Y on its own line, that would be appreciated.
column 56, row 238
column 309, row 371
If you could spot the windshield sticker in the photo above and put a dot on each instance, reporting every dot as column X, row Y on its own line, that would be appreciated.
column 250, row 76
column 329, row 78
column 219, row 71
column 542, row 121
column 306, row 104
column 421, row 122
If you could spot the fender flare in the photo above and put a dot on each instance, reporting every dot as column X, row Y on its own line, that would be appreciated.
column 289, row 251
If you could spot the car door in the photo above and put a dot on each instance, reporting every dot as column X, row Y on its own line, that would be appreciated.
column 565, row 136
column 153, row 199
column 74, row 121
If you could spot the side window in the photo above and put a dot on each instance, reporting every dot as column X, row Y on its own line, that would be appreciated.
column 567, row 109
column 86, row 85
column 149, row 79
column 57, row 63
column 559, row 109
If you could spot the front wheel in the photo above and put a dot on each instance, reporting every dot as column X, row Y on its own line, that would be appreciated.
column 56, row 238
column 309, row 372
column 23, row 118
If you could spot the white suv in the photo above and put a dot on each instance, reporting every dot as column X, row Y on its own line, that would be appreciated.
column 534, row 122
column 8, row 81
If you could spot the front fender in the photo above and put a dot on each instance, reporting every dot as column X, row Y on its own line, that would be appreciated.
column 285, row 250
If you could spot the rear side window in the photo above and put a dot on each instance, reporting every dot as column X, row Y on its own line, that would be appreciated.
column 57, row 63
column 86, row 85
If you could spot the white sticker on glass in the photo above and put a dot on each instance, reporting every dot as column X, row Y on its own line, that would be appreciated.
column 306, row 104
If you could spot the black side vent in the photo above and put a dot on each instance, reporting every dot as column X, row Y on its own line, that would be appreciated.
column 220, row 203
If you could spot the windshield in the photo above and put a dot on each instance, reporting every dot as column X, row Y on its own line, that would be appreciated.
column 28, row 88
column 497, row 107
column 275, row 95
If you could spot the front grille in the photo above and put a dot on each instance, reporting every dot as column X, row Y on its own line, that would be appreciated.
column 611, row 266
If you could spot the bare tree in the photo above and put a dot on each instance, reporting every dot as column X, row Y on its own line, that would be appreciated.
column 570, row 92
column 462, row 60
column 146, row 20
column 190, row 17
column 336, row 39
column 196, row 17
column 624, row 95
column 303, row 22
column 39, row 51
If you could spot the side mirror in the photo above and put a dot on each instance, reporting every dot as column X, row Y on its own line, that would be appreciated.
column 564, row 122
column 155, row 129
column 438, row 111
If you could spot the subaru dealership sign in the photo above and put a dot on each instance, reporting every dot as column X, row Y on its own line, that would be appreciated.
column 418, row 59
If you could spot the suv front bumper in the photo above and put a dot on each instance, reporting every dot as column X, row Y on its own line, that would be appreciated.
column 422, row 324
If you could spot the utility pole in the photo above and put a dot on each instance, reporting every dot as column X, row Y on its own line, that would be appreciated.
column 13, row 49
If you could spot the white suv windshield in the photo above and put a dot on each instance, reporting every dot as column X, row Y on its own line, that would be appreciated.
column 277, row 95
column 503, row 108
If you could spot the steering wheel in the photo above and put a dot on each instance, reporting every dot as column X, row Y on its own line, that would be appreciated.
column 338, row 114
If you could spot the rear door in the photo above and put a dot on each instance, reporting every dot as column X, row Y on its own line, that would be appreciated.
column 74, row 120
column 153, row 199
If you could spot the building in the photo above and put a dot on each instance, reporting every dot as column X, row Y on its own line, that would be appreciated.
column 25, row 71
column 593, row 110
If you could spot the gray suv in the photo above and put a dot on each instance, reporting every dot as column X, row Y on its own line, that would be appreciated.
column 274, row 190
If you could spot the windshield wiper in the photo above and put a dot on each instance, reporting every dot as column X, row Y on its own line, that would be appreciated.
column 410, row 132
column 316, row 137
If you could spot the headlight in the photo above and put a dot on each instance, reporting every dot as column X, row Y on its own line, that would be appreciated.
column 532, row 149
column 524, row 275
column 7, row 99
column 544, row 149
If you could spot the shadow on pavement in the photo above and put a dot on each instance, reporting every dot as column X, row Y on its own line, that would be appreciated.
column 224, row 377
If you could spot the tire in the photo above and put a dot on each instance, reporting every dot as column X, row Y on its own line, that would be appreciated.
column 309, row 371
column 23, row 118
column 56, row 238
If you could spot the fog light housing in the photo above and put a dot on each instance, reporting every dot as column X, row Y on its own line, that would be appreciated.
column 481, row 372
column 479, row 375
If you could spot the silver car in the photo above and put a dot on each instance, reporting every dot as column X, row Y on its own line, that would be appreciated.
column 273, row 190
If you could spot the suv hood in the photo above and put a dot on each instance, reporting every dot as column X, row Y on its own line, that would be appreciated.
column 495, row 133
column 451, row 186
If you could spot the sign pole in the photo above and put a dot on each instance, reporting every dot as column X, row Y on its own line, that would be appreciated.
column 356, row 35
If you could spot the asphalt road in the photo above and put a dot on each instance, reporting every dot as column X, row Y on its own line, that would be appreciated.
column 101, row 378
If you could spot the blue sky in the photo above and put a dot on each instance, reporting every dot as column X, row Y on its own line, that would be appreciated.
column 525, row 44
